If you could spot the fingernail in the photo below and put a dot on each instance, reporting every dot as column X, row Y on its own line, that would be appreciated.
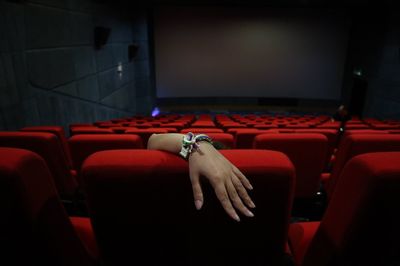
column 252, row 205
column 236, row 217
column 250, row 187
column 198, row 204
column 250, row 214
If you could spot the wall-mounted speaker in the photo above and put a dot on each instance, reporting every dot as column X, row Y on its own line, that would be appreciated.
column 101, row 35
column 132, row 51
column 358, row 95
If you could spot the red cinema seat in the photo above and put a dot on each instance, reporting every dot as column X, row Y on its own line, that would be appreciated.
column 307, row 151
column 203, row 123
column 365, row 131
column 356, row 126
column 107, row 125
column 177, row 125
column 145, row 133
column 355, row 144
column 360, row 225
column 202, row 130
column 330, row 125
column 331, row 134
column 90, row 130
column 34, row 227
column 82, row 146
column 224, row 138
column 59, row 132
column 244, row 137
column 151, row 194
column 48, row 146
column 266, row 126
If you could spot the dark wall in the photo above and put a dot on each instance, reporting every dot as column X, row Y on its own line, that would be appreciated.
column 375, row 50
column 50, row 72
column 383, row 98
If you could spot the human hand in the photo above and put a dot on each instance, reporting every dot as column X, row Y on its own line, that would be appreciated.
column 228, row 182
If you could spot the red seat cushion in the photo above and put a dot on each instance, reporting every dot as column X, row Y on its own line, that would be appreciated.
column 300, row 236
column 83, row 228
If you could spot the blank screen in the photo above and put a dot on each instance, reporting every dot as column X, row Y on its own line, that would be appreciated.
column 249, row 52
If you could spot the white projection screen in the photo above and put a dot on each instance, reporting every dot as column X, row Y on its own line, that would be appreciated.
column 249, row 52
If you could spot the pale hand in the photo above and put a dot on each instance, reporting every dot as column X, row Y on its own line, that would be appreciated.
column 228, row 182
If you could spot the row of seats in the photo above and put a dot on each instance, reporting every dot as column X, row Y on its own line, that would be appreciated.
column 141, row 212
column 226, row 122
column 309, row 151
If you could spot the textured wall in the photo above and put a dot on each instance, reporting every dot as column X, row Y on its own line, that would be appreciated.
column 50, row 72
column 375, row 49
column 383, row 99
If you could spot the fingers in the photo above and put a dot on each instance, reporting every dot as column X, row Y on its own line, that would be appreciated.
column 242, row 178
column 237, row 202
column 242, row 192
column 223, row 197
column 197, row 191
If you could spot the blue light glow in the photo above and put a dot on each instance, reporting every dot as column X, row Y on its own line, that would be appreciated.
column 155, row 112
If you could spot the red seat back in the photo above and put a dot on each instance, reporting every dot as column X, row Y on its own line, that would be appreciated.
column 225, row 138
column 82, row 146
column 244, row 137
column 34, row 227
column 307, row 151
column 360, row 226
column 90, row 130
column 355, row 144
column 59, row 132
column 50, row 149
column 145, row 133
column 148, row 209
column 202, row 130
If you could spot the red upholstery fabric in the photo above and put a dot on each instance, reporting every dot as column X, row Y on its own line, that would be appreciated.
column 325, row 178
column 169, row 129
column 355, row 144
column 385, row 126
column 225, row 138
column 82, row 146
column 307, row 151
column 59, row 132
column 50, row 149
column 202, row 130
column 84, row 230
column 356, row 126
column 150, row 193
column 107, row 125
column 244, row 137
column 332, row 136
column 203, row 123
column 300, row 236
column 178, row 125
column 90, row 130
column 365, row 131
column 360, row 225
column 145, row 133
column 34, row 228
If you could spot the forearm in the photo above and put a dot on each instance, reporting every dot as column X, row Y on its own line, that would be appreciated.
column 171, row 142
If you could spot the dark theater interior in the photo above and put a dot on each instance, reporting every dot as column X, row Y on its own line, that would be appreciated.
column 199, row 133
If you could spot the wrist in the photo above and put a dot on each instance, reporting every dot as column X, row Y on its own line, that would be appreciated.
column 192, row 143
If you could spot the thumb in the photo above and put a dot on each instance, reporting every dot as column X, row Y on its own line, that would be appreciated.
column 197, row 191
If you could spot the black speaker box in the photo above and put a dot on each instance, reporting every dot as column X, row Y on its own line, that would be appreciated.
column 132, row 51
column 101, row 35
column 358, row 95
